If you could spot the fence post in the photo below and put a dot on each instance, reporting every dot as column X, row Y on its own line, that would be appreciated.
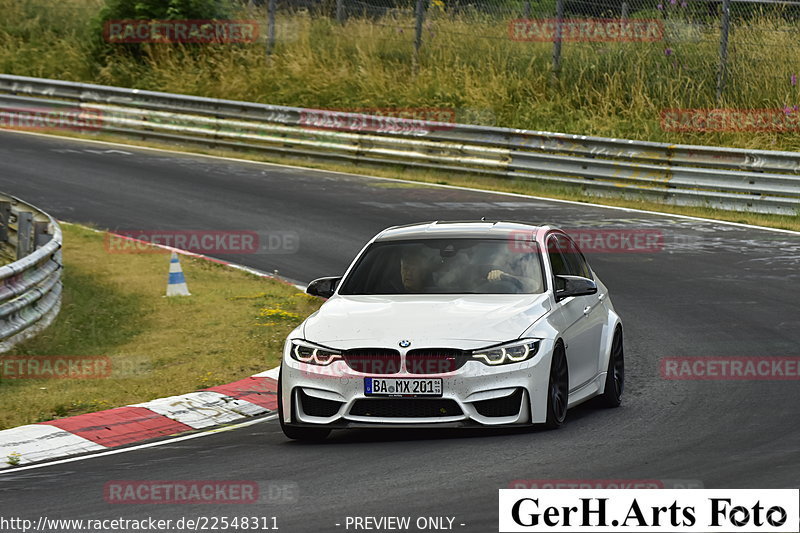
column 271, row 6
column 624, row 14
column 340, row 11
column 420, row 15
column 557, row 37
column 24, row 233
column 723, row 48
column 527, row 13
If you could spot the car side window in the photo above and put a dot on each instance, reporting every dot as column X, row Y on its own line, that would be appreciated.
column 577, row 263
column 557, row 261
column 566, row 259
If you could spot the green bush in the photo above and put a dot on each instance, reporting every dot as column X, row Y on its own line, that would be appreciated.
column 102, row 51
column 161, row 9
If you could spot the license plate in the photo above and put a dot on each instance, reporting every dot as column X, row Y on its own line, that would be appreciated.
column 402, row 387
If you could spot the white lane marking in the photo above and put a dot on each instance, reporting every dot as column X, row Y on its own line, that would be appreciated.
column 143, row 446
column 397, row 180
column 105, row 152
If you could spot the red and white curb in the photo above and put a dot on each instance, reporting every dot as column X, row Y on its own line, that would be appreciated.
column 104, row 430
column 92, row 432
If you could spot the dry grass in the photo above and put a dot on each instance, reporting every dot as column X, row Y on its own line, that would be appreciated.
column 232, row 326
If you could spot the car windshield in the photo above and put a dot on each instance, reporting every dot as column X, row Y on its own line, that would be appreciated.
column 446, row 266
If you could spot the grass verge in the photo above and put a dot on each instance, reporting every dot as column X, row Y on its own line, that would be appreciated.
column 232, row 326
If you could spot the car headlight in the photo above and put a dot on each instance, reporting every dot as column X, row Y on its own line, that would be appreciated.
column 514, row 352
column 313, row 354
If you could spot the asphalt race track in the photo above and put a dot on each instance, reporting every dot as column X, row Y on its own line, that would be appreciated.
column 714, row 290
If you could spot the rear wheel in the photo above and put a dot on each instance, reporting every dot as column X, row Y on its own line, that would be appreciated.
column 615, row 377
column 557, row 389
column 298, row 433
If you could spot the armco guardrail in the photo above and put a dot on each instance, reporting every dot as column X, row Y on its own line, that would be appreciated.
column 30, row 286
column 753, row 180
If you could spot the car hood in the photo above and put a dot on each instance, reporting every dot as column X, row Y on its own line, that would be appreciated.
column 426, row 320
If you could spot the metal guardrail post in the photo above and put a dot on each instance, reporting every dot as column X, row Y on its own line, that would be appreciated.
column 5, row 217
column 24, row 234
column 40, row 234
column 30, row 287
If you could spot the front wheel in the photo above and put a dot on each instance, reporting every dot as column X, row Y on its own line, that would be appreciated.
column 557, row 389
column 298, row 433
column 615, row 376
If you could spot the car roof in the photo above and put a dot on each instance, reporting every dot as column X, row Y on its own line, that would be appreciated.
column 487, row 229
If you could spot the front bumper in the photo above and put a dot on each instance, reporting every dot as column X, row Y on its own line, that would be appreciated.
column 474, row 395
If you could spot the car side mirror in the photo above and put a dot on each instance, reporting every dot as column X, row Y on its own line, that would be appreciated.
column 567, row 286
column 323, row 287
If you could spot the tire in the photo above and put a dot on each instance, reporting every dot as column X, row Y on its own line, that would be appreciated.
column 615, row 377
column 298, row 433
column 557, row 389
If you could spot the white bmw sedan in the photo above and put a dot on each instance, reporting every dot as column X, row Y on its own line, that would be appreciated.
column 450, row 324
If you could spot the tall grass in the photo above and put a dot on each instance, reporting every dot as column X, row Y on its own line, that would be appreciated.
column 466, row 62
column 47, row 38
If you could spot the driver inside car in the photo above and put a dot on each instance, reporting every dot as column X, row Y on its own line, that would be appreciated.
column 415, row 272
column 513, row 271
column 440, row 271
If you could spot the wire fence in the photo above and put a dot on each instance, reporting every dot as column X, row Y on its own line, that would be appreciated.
column 637, row 68
column 715, row 42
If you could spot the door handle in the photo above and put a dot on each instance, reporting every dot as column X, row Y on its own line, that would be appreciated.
column 587, row 309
